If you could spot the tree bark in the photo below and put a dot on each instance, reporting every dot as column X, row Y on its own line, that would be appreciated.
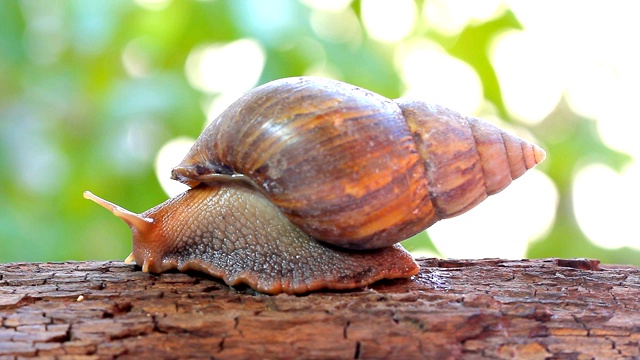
column 468, row 309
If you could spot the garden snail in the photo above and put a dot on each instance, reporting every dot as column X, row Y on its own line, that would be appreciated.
column 308, row 183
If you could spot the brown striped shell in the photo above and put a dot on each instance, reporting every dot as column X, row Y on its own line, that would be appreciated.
column 353, row 168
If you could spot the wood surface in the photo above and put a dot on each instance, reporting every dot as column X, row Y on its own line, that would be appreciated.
column 453, row 309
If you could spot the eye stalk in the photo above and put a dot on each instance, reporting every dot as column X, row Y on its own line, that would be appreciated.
column 138, row 224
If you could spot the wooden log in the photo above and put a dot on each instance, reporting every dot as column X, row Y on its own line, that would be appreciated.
column 453, row 309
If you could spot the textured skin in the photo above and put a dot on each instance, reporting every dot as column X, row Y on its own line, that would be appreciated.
column 228, row 232
column 353, row 168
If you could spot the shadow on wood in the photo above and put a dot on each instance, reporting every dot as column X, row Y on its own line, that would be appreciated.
column 471, row 309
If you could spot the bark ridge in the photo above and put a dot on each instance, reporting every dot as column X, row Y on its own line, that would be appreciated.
column 453, row 309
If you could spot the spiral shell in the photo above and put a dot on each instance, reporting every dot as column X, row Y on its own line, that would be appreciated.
column 353, row 168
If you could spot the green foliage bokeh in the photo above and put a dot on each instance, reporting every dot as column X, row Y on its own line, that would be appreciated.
column 67, row 104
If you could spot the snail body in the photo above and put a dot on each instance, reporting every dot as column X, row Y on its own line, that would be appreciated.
column 309, row 183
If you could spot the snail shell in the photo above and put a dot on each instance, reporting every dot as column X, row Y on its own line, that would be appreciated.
column 353, row 168
column 300, row 163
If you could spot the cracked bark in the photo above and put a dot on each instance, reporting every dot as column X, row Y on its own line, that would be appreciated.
column 470, row 309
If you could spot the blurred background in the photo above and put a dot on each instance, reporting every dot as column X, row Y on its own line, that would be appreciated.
column 108, row 95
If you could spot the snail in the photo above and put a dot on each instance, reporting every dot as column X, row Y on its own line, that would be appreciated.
column 309, row 183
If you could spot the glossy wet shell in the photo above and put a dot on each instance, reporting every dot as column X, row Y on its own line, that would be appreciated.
column 353, row 168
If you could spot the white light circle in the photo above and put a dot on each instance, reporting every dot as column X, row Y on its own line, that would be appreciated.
column 432, row 75
column 605, row 205
column 234, row 67
column 532, row 82
column 388, row 21
column 170, row 155
column 504, row 224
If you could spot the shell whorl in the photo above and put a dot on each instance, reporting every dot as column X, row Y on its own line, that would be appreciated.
column 466, row 159
column 353, row 168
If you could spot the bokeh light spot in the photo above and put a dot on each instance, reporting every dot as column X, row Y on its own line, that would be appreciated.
column 502, row 225
column 432, row 75
column 136, row 59
column 388, row 21
column 605, row 205
column 232, row 67
column 44, row 37
column 169, row 156
column 336, row 26
column 450, row 17
column 531, row 78
column 612, row 103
